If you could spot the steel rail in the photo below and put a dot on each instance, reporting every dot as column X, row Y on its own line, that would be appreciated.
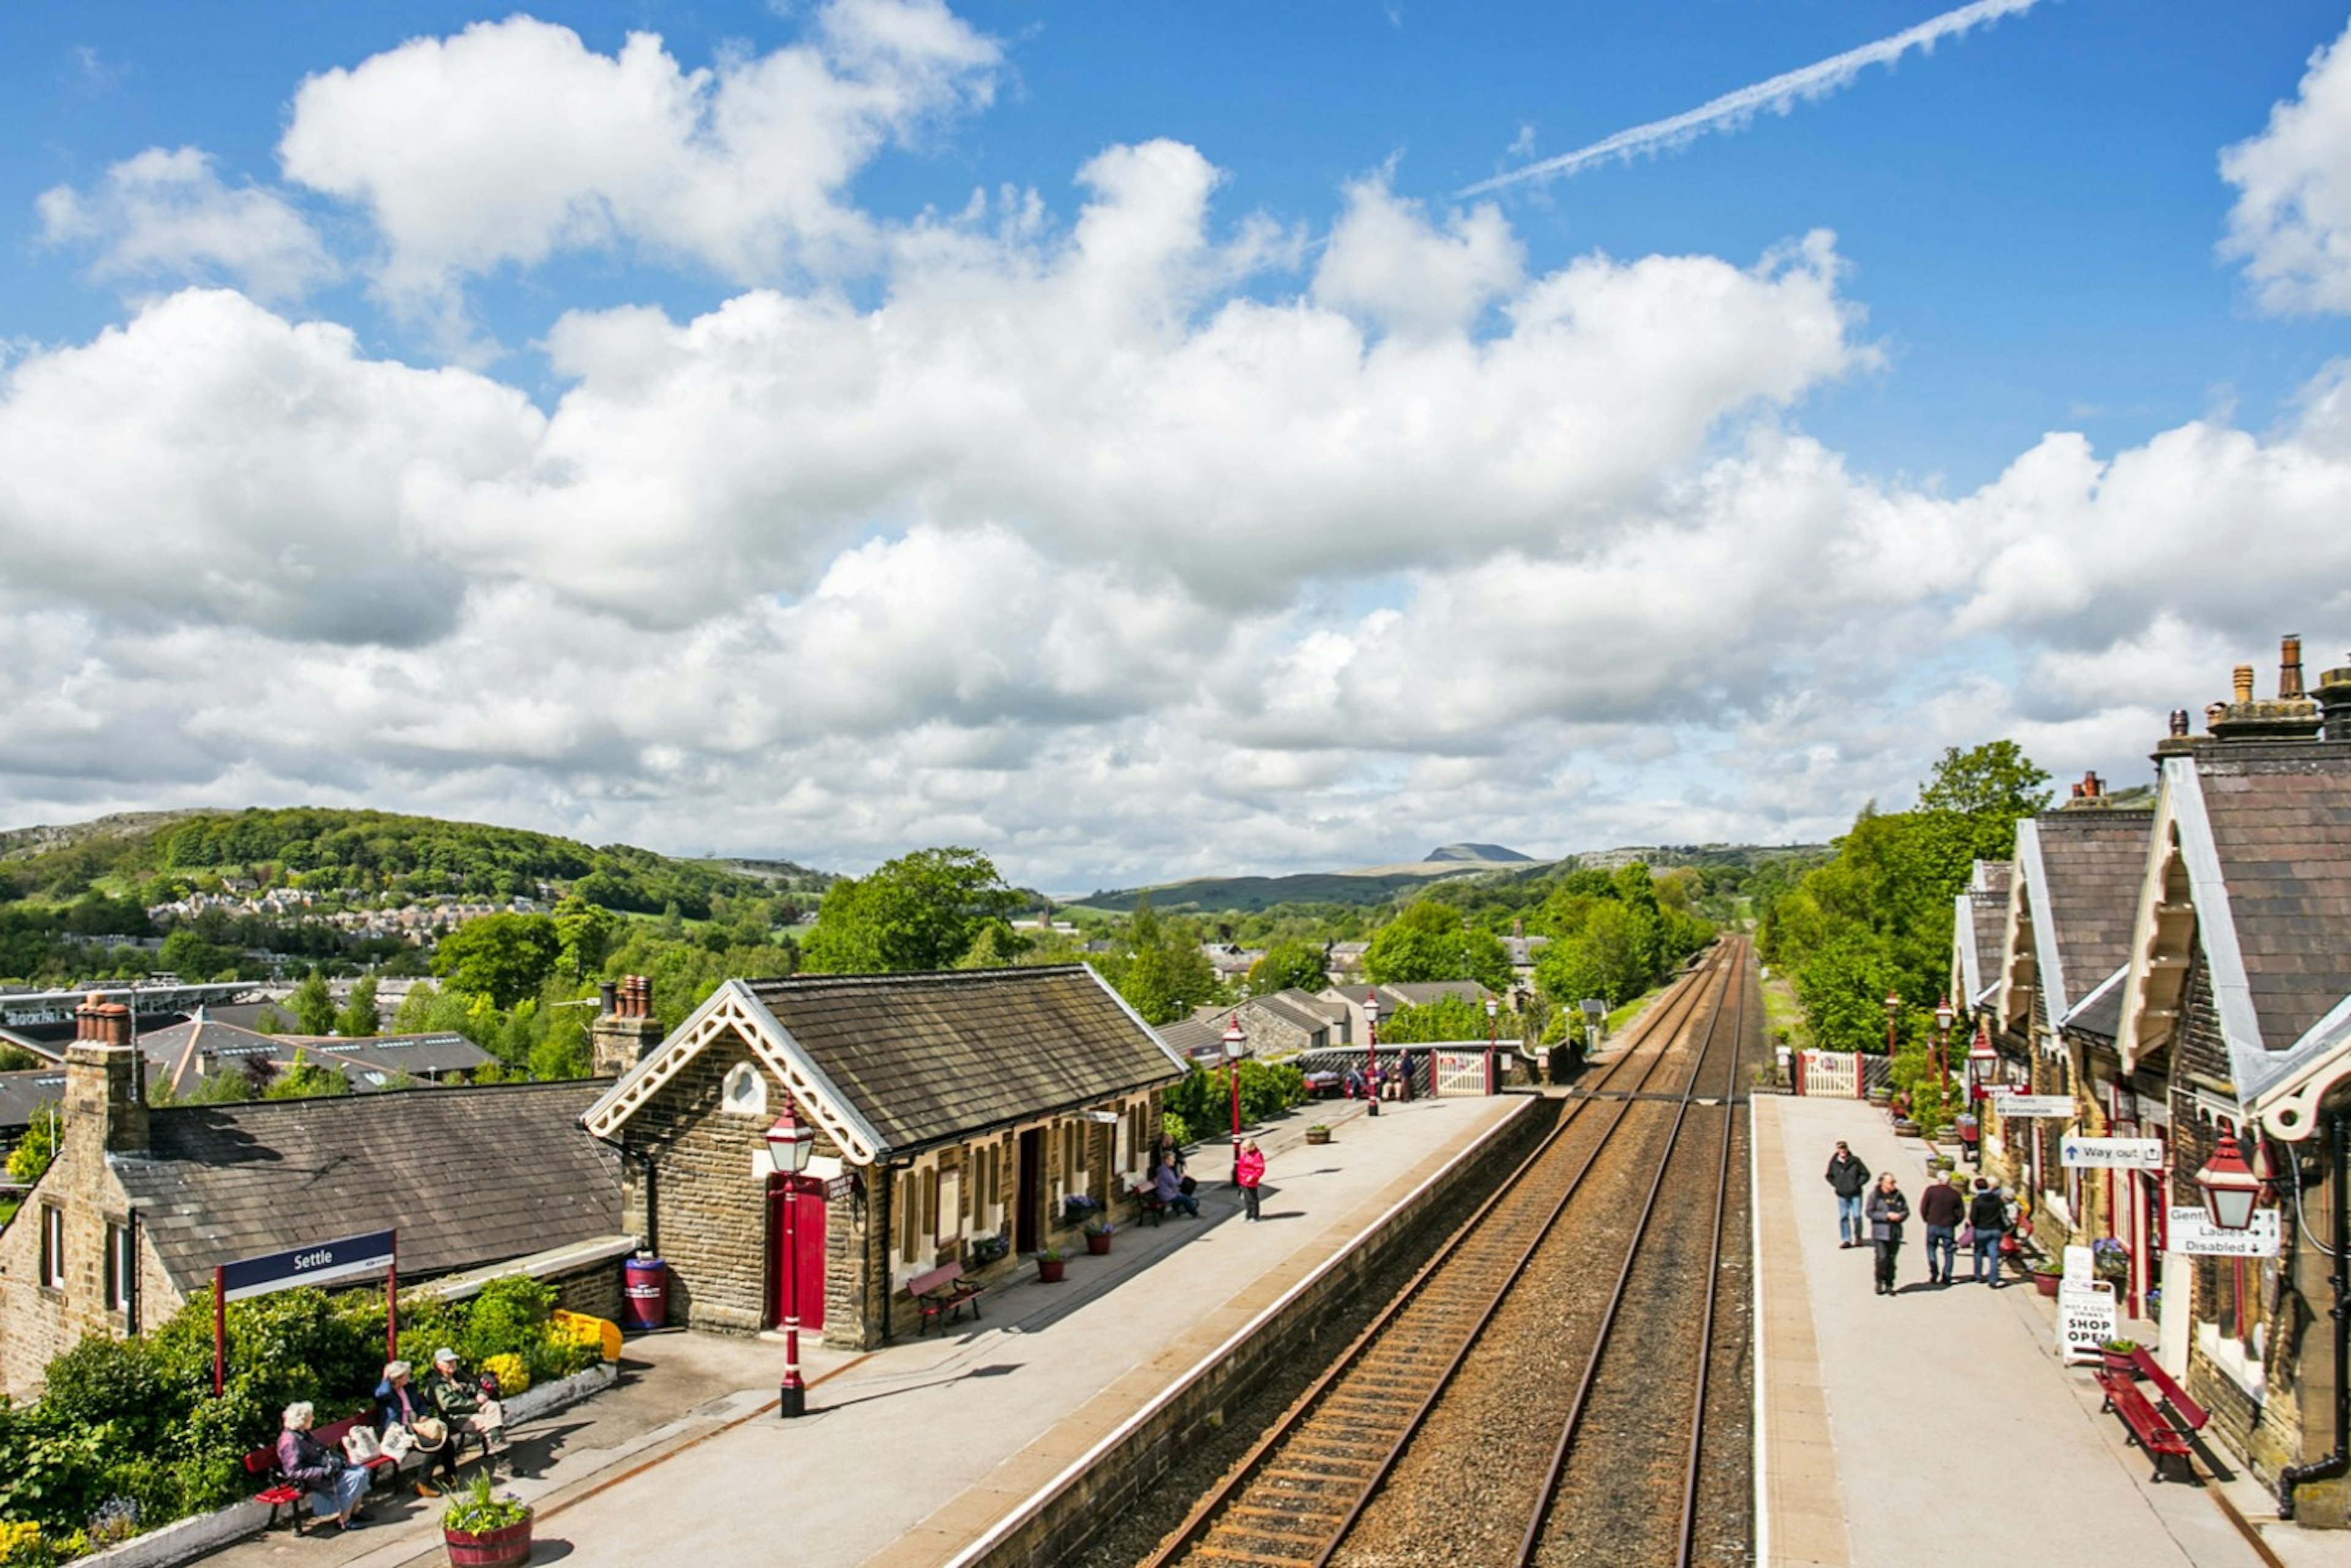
column 1190, row 1535
column 1572, row 1424
column 1687, row 1540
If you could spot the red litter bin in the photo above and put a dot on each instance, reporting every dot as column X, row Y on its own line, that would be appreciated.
column 644, row 1293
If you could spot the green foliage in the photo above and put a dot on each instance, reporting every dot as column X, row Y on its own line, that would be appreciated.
column 314, row 1010
column 1433, row 941
column 1877, row 917
column 505, row 957
column 359, row 1018
column 1995, row 779
column 476, row 1511
column 1445, row 1018
column 922, row 911
column 30, row 1159
column 1204, row 1099
column 1287, row 964
column 1158, row 966
column 1177, row 1128
column 303, row 1079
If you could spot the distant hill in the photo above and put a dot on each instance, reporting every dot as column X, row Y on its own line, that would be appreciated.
column 328, row 850
column 1482, row 854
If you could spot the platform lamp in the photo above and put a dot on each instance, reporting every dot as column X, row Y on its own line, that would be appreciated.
column 1371, row 1053
column 2229, row 1186
column 1236, row 1042
column 1944, row 1014
column 1893, row 1011
column 789, row 1143
column 1493, row 1036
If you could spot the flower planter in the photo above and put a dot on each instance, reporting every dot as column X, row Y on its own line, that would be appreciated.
column 1050, row 1272
column 506, row 1548
column 2047, row 1284
column 1904, row 1128
column 1099, row 1246
column 1318, row 1135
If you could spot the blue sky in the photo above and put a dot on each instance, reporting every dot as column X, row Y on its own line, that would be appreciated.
column 1211, row 633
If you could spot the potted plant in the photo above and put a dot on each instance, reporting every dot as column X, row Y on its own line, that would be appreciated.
column 483, row 1529
column 1320, row 1133
column 2047, row 1276
column 1098, row 1234
column 1880, row 1093
column 1903, row 1127
column 2120, row 1355
column 1049, row 1266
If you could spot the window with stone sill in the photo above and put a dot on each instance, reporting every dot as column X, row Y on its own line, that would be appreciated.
column 2239, row 1362
column 53, row 1247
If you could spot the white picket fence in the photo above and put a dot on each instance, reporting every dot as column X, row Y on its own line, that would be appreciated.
column 1832, row 1073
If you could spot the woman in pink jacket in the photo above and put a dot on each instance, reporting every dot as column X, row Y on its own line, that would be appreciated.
column 1248, row 1169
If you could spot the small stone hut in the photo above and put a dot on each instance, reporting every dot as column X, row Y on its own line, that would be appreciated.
column 956, row 1113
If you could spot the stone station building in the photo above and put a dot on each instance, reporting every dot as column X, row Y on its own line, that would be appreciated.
column 955, row 1113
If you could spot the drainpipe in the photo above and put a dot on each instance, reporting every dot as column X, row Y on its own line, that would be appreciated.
column 2335, row 1463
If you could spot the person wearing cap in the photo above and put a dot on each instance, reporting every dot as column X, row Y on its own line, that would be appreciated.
column 1849, row 1178
column 454, row 1402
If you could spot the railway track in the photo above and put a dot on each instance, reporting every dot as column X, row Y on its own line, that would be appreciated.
column 1352, row 1470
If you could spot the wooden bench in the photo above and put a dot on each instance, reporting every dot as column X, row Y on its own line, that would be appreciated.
column 2155, row 1436
column 283, row 1493
column 2184, row 1410
column 944, row 1290
column 1155, row 1207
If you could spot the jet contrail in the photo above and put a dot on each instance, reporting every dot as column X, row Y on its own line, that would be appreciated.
column 1734, row 110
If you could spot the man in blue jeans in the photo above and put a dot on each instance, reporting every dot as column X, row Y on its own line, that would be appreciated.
column 1850, row 1177
column 1942, row 1208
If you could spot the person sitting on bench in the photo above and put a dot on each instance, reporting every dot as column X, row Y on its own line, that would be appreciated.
column 461, row 1410
column 335, row 1485
column 1169, row 1185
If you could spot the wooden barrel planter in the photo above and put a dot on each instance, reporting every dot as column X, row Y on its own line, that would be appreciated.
column 506, row 1548
column 1318, row 1135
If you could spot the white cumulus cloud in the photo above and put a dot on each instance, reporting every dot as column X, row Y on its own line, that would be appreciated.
column 2291, row 222
column 166, row 216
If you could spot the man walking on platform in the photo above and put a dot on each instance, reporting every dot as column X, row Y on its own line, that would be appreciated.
column 1850, row 1179
column 1887, row 1209
column 1940, row 1207
column 1987, row 1218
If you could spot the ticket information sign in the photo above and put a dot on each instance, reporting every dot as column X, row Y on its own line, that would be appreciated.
column 2035, row 1104
column 2192, row 1234
column 2085, row 1320
column 2111, row 1153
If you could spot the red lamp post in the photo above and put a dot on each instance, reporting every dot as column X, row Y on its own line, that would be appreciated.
column 2229, row 1186
column 1371, row 1053
column 1236, row 1041
column 1944, row 1014
column 1493, row 1038
column 789, row 1143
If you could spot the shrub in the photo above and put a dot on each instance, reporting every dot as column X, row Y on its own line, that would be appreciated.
column 104, row 1380
column 508, row 1318
column 508, row 1369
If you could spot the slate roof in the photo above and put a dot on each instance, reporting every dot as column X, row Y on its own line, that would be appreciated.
column 182, row 1054
column 2281, row 828
column 2085, row 867
column 928, row 1058
column 1987, row 906
column 469, row 1175
column 416, row 1055
column 22, row 1094
column 1200, row 1036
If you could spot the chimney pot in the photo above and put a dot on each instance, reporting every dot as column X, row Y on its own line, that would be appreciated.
column 2290, row 667
column 607, row 999
column 2179, row 721
column 2243, row 682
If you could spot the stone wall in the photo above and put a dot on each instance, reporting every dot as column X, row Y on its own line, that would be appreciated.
column 707, row 1202
column 1053, row 1525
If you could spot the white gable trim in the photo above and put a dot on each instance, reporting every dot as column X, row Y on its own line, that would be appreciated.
column 1963, row 926
column 733, row 1008
column 2108, row 984
column 2252, row 1067
column 2044, row 930
column 1175, row 1057
column 2136, row 1038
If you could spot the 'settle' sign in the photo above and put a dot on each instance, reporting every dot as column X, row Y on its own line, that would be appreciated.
column 322, row 1263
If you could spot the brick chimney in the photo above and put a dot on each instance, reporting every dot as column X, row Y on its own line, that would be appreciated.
column 626, row 1031
column 2335, row 701
column 104, row 1112
column 2290, row 716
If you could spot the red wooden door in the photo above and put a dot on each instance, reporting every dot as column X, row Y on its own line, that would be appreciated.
column 796, row 1248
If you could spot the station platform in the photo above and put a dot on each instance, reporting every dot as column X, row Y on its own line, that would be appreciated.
column 911, row 1452
column 1940, row 1421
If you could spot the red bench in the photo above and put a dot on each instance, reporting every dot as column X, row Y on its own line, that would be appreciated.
column 283, row 1493
column 942, row 1289
column 2155, row 1436
column 2184, row 1410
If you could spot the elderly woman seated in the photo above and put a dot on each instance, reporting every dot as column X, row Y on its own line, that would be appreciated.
column 335, row 1485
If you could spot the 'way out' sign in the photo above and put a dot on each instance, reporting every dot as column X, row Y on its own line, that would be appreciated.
column 2191, row 1234
column 2111, row 1153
